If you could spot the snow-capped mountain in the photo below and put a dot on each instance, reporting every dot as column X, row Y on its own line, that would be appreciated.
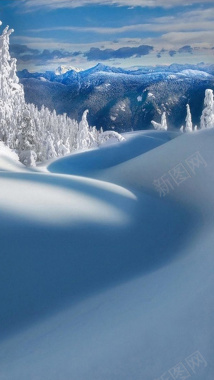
column 121, row 99
column 195, row 73
column 64, row 69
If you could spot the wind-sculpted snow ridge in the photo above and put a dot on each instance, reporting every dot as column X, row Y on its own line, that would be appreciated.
column 111, row 278
column 36, row 135
column 93, row 162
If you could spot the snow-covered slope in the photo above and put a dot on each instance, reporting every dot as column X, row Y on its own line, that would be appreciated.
column 195, row 73
column 93, row 161
column 9, row 160
column 110, row 278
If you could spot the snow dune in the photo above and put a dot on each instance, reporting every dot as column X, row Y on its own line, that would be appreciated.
column 91, row 162
column 103, row 278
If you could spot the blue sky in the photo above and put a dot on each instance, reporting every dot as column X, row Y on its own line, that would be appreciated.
column 125, row 33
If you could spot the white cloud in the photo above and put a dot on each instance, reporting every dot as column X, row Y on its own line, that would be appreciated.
column 193, row 27
column 158, row 26
column 98, row 30
column 56, row 4
column 192, row 38
column 171, row 40
column 53, row 43
column 175, row 40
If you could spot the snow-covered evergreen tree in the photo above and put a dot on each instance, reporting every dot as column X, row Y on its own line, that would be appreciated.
column 188, row 127
column 86, row 136
column 161, row 126
column 11, row 93
column 164, row 122
column 35, row 135
column 83, row 135
column 207, row 117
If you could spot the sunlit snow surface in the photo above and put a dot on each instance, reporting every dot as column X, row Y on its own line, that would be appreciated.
column 101, row 278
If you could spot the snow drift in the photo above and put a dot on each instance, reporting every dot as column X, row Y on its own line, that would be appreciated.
column 112, row 277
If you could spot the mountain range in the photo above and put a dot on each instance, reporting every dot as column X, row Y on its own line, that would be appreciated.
column 122, row 100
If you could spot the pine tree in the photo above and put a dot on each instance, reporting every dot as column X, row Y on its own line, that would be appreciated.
column 188, row 127
column 207, row 117
column 84, row 138
column 164, row 122
column 11, row 92
column 36, row 135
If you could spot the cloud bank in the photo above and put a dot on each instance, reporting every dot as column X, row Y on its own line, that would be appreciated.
column 29, row 5
column 25, row 54
column 96, row 54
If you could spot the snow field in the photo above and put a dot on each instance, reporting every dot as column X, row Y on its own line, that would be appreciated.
column 108, row 279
